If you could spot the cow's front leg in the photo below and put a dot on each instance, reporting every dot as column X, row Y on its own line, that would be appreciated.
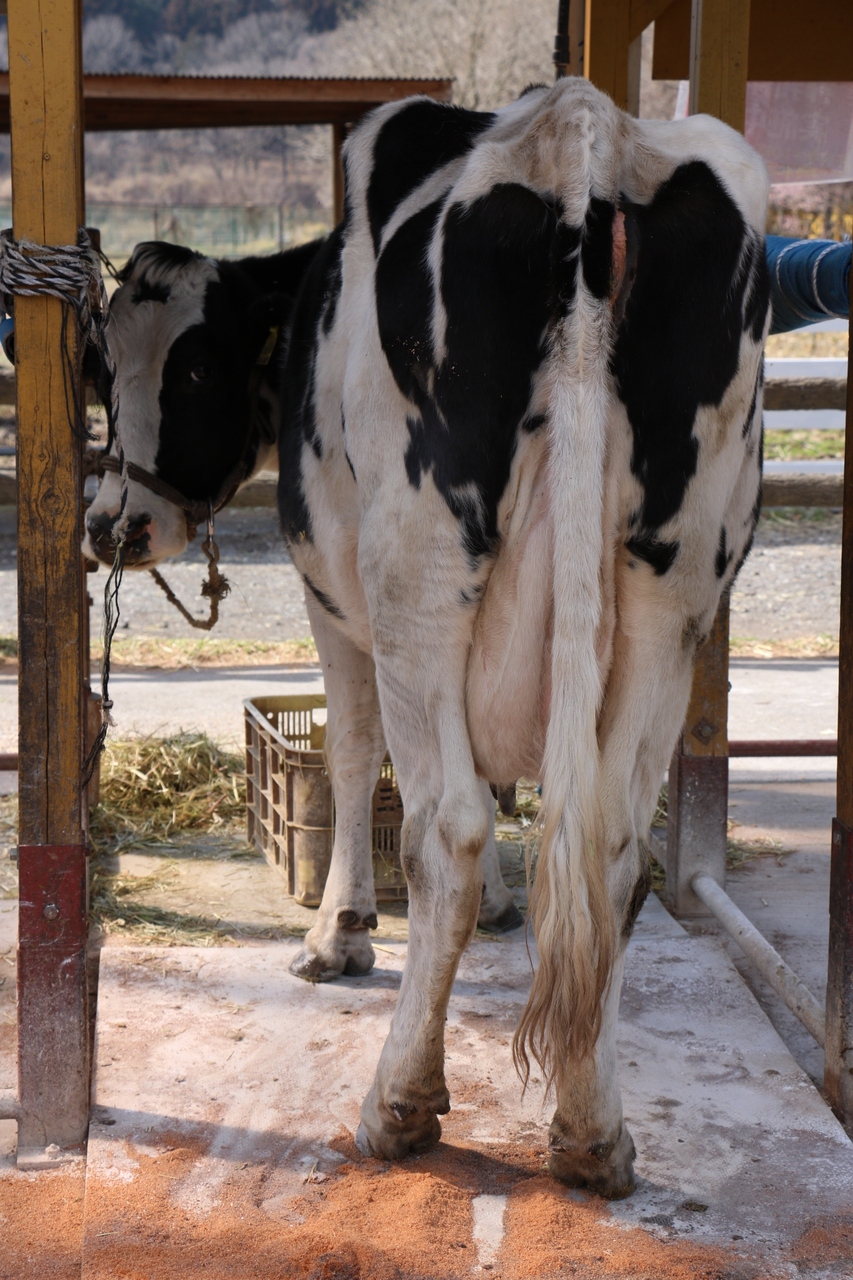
column 498, row 912
column 355, row 747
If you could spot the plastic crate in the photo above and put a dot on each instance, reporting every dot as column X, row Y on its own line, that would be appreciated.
column 290, row 812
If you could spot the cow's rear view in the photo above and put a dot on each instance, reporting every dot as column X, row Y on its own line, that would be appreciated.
column 520, row 464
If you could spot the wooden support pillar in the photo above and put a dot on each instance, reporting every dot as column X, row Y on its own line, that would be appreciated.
column 47, row 183
column 699, row 771
column 838, row 1069
column 569, row 44
column 719, row 47
column 698, row 798
column 607, row 35
column 635, row 69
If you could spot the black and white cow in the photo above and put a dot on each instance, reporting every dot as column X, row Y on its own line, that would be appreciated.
column 198, row 410
column 520, row 461
column 198, row 414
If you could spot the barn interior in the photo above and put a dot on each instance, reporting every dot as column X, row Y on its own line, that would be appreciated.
column 190, row 1109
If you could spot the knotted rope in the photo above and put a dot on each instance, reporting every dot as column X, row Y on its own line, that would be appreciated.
column 72, row 273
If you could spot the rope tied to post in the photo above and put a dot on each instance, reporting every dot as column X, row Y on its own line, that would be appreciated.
column 72, row 273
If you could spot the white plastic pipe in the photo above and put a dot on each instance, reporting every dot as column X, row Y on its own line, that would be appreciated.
column 9, row 1108
column 766, row 959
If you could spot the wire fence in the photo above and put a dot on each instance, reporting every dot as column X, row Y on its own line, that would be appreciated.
column 220, row 231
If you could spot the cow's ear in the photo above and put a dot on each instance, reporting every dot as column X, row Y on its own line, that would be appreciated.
column 263, row 315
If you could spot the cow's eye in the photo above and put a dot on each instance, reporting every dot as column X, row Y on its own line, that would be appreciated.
column 199, row 372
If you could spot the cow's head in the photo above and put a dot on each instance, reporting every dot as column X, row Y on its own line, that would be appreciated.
column 186, row 334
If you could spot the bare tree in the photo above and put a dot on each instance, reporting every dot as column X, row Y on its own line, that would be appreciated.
column 490, row 48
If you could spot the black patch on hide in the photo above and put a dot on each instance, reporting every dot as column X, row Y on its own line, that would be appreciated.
column 410, row 146
column 759, row 383
column 334, row 280
column 597, row 247
column 660, row 555
column 157, row 253
column 323, row 599
column 205, row 402
column 150, row 291
column 723, row 558
column 757, row 301
column 678, row 345
column 317, row 301
column 641, row 891
column 497, row 286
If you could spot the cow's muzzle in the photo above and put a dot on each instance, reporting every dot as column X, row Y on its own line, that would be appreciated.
column 137, row 541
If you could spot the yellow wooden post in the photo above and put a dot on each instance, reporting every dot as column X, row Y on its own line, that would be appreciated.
column 719, row 49
column 607, row 36
column 45, row 87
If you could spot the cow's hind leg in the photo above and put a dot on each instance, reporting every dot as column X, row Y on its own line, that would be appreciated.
column 441, row 852
column 355, row 747
column 421, row 630
column 645, row 703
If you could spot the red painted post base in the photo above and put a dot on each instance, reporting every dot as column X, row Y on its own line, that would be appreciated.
column 838, row 1071
column 53, row 1033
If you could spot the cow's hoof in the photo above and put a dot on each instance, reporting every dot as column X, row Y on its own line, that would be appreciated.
column 607, row 1168
column 508, row 919
column 326, row 955
column 398, row 1129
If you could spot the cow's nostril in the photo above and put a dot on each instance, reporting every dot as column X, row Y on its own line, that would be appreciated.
column 137, row 528
column 100, row 527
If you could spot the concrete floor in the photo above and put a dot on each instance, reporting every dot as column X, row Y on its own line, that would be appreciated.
column 226, row 1092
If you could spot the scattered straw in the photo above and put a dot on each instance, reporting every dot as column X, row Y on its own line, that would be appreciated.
column 153, row 787
column 116, row 909
column 153, row 652
column 821, row 646
column 740, row 849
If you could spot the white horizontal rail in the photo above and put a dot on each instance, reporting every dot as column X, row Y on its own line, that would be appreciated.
column 766, row 959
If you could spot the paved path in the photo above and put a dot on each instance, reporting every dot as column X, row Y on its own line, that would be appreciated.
column 769, row 699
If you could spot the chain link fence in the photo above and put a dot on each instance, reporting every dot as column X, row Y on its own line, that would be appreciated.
column 219, row 231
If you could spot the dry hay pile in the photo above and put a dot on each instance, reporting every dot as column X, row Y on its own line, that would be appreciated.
column 156, row 796
column 153, row 788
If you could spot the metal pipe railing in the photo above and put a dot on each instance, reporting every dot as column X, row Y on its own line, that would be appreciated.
column 766, row 959
column 9, row 1107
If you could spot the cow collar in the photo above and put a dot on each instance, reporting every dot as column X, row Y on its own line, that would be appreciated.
column 261, row 431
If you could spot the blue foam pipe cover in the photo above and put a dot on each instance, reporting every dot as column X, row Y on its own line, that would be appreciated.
column 7, row 328
column 809, row 281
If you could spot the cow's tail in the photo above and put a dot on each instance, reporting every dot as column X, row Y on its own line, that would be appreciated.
column 570, row 909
